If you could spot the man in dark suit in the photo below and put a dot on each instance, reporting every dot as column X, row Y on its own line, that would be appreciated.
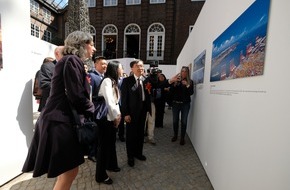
column 96, row 76
column 135, row 103
column 45, row 75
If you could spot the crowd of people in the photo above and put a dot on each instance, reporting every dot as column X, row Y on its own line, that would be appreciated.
column 136, row 106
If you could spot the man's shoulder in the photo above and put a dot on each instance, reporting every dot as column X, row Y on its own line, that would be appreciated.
column 128, row 79
column 94, row 73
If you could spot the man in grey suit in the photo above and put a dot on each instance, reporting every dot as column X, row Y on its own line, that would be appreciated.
column 134, row 106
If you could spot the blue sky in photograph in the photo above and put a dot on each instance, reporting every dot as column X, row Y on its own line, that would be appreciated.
column 255, row 16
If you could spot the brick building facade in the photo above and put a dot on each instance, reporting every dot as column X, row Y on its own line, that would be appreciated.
column 145, row 29
column 149, row 31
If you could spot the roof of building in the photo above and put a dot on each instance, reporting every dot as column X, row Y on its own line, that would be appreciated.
column 57, row 4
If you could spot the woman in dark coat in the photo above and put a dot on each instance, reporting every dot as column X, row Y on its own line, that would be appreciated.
column 55, row 149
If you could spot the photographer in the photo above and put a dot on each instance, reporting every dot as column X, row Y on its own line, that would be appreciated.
column 181, row 88
column 151, row 85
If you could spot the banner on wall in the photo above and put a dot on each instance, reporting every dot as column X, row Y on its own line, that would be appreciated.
column 240, row 50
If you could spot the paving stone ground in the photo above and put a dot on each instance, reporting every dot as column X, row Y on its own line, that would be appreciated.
column 169, row 166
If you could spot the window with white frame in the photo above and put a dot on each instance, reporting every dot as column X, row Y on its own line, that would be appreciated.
column 46, row 15
column 34, row 6
column 133, row 2
column 132, row 34
column 93, row 33
column 109, row 45
column 47, row 36
column 155, row 42
column 132, row 29
column 91, row 3
column 35, row 30
column 157, row 1
column 110, row 3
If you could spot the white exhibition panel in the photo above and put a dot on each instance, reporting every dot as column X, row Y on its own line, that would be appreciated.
column 22, row 57
column 242, row 136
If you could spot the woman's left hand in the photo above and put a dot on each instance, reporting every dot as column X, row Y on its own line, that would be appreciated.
column 117, row 121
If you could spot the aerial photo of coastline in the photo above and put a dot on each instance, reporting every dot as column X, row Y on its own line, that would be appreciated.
column 198, row 68
column 240, row 50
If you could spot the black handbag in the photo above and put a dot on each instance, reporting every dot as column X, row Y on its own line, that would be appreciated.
column 86, row 132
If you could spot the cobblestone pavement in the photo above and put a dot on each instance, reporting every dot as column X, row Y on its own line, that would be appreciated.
column 168, row 166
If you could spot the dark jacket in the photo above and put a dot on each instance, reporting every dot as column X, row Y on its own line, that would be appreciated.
column 180, row 92
column 131, row 101
column 96, row 79
column 77, row 88
column 45, row 76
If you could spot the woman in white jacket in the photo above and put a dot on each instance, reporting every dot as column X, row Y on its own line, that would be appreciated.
column 107, row 127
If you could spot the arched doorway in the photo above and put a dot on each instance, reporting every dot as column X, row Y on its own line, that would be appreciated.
column 109, row 45
column 132, row 41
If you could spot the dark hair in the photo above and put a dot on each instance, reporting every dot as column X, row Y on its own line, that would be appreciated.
column 112, row 70
column 135, row 62
column 163, row 76
column 48, row 59
column 95, row 58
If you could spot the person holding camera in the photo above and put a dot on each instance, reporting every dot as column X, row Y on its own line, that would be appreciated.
column 181, row 88
column 151, row 86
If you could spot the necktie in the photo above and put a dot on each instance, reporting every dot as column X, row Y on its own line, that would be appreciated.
column 139, row 86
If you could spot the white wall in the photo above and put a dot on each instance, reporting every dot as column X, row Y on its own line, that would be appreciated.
column 167, row 70
column 22, row 57
column 242, row 140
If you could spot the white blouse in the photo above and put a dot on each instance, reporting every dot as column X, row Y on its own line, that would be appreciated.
column 112, row 97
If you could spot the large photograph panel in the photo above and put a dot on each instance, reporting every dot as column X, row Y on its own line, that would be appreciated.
column 198, row 68
column 240, row 50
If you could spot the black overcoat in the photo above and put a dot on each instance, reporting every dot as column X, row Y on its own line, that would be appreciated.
column 54, row 148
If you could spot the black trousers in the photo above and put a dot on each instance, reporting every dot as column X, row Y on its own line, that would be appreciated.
column 135, row 135
column 121, row 128
column 106, row 152
column 160, row 107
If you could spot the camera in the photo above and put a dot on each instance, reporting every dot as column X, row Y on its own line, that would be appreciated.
column 153, row 68
column 153, row 71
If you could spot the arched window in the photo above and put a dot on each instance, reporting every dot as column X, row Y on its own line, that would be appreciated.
column 155, row 42
column 93, row 33
column 132, row 41
column 109, row 44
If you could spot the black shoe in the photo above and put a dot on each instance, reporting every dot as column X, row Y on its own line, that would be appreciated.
column 174, row 139
column 122, row 139
column 131, row 162
column 108, row 181
column 115, row 169
column 182, row 142
column 141, row 157
column 92, row 158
